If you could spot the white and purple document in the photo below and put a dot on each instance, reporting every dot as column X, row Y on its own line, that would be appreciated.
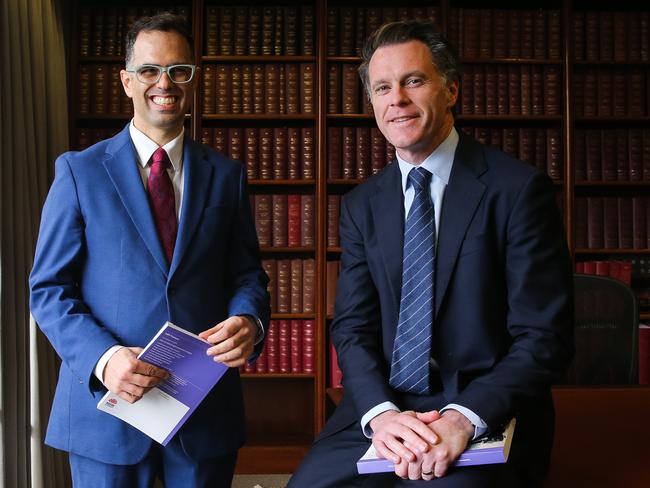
column 166, row 407
column 493, row 449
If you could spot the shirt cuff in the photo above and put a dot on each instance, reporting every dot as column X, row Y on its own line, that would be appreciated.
column 480, row 427
column 101, row 364
column 259, row 335
column 372, row 413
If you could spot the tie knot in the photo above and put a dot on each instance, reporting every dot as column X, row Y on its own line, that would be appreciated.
column 160, row 157
column 420, row 178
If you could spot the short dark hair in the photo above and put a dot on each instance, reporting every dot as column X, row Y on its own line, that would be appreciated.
column 442, row 52
column 166, row 22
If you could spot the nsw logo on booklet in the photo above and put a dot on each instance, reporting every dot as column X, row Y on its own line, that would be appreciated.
column 111, row 402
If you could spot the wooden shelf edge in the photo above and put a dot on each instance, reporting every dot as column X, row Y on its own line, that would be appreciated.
column 612, row 251
column 297, row 376
column 258, row 116
column 280, row 250
column 253, row 58
column 281, row 182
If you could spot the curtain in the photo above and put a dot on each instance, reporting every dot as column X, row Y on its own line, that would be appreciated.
column 34, row 130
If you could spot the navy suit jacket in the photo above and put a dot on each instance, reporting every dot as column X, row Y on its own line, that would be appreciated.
column 100, row 278
column 503, row 295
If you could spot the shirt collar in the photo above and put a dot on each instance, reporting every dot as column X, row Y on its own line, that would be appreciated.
column 145, row 147
column 439, row 162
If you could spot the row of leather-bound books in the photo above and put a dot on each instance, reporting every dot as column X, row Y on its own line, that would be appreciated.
column 284, row 220
column 291, row 285
column 289, row 348
column 258, row 88
column 612, row 222
column 611, row 92
column 621, row 154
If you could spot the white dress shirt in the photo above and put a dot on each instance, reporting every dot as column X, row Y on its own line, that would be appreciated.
column 439, row 164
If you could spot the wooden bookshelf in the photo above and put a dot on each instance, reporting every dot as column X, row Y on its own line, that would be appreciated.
column 276, row 443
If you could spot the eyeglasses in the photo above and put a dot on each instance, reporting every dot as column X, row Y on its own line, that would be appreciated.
column 151, row 73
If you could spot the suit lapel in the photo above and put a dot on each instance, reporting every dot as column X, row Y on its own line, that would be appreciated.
column 121, row 165
column 387, row 207
column 462, row 197
column 197, row 179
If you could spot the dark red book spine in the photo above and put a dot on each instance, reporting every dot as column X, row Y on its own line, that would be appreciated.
column 263, row 218
column 280, row 220
column 334, row 168
column 307, row 221
column 308, row 346
column 284, row 286
column 284, row 346
column 273, row 347
column 296, row 286
column 296, row 346
column 280, row 153
column 294, row 221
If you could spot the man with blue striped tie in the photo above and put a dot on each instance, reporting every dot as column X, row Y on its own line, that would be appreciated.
column 454, row 302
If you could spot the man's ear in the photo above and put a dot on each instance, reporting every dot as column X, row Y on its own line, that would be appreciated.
column 126, row 83
column 452, row 93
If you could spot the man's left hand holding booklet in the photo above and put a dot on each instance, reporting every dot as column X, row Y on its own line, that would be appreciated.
column 165, row 408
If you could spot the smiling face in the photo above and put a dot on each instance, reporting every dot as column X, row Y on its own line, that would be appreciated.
column 411, row 101
column 159, row 108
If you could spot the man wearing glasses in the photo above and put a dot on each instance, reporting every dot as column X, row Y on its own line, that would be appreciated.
column 145, row 227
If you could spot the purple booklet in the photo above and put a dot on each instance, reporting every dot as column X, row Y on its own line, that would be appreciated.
column 165, row 408
column 493, row 449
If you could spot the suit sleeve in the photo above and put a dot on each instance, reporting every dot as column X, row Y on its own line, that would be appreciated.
column 249, row 295
column 356, row 329
column 540, row 309
column 55, row 300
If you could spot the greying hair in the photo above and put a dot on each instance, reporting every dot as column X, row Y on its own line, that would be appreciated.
column 165, row 22
column 442, row 52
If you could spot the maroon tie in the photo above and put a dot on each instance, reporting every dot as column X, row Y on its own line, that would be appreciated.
column 163, row 204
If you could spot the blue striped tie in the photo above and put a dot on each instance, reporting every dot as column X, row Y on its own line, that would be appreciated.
column 409, row 370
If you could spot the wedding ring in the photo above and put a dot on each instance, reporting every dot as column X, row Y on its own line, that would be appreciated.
column 428, row 473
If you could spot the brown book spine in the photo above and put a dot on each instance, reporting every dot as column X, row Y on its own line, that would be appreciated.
column 308, row 346
column 542, row 160
column 622, row 155
column 373, row 19
column 272, row 347
column 209, row 90
column 470, row 33
column 292, row 91
column 619, row 99
column 363, row 152
column 254, row 37
column 537, row 91
column 211, row 36
column 110, row 32
column 595, row 222
column 349, row 153
column 334, row 166
column 491, row 87
column 453, row 31
column 580, row 156
column 479, row 91
column 527, row 34
column 333, row 211
column 510, row 141
column 502, row 90
column 278, row 33
column 581, row 223
column 236, row 92
column 578, row 94
column 258, row 88
column 296, row 346
column 97, row 44
column 639, row 219
column 467, row 91
column 220, row 140
column 293, row 153
column 83, row 139
column 252, row 153
column 591, row 36
column 486, row 35
column 84, row 31
column 236, row 143
column 635, row 154
column 578, row 35
column 554, row 141
column 633, row 29
column 263, row 218
column 271, row 88
column 309, row 286
column 606, row 36
column 83, row 99
column 280, row 224
column 350, row 90
column 246, row 89
column 294, row 222
column 636, row 93
column 620, row 36
column 594, row 166
column 590, row 90
column 296, row 286
column 645, row 35
column 334, row 89
column 240, row 31
column 308, row 221
column 284, row 346
column 99, row 100
column 625, row 223
column 514, row 34
column 539, row 34
column 268, row 30
column 552, row 86
column 280, row 153
column 526, row 141
column 207, row 136
column 359, row 28
column 226, row 30
column 266, row 153
column 610, row 222
column 307, row 91
column 377, row 150
column 223, row 89
column 332, row 31
column 284, row 286
column 308, row 30
column 346, row 31
column 308, row 153
column 554, row 34
column 526, row 90
column 270, row 267
column 605, row 95
column 332, row 274
column 514, row 90
column 499, row 30
column 646, row 154
column 608, row 155
column 282, row 89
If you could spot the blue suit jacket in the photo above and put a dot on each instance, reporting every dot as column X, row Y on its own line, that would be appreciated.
column 503, row 294
column 100, row 278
